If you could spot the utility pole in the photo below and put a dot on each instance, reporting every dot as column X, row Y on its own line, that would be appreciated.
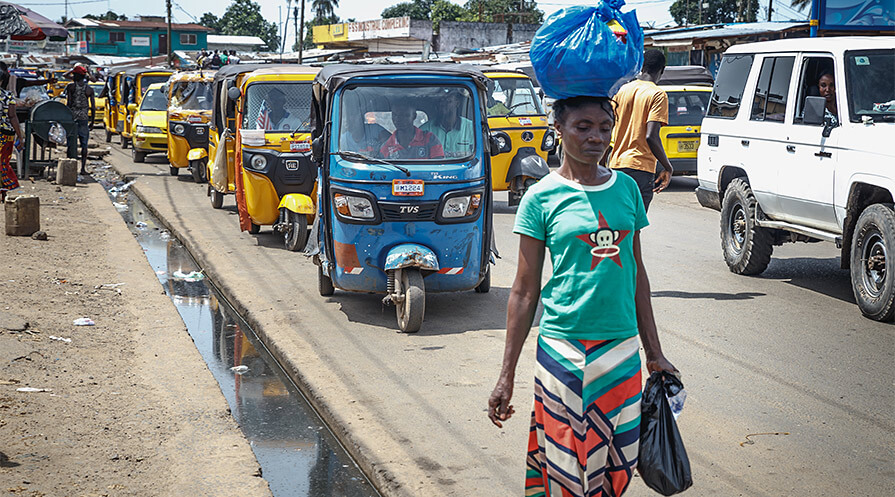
column 301, row 33
column 770, row 9
column 168, row 41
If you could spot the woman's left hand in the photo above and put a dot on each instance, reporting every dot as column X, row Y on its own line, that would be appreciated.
column 21, row 145
column 660, row 363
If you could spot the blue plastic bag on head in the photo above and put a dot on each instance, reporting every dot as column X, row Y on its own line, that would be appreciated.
column 587, row 51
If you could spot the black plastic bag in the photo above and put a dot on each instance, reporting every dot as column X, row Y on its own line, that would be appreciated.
column 663, row 464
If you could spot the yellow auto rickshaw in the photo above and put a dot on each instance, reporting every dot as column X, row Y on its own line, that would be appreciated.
column 132, row 85
column 189, row 112
column 113, row 90
column 221, row 135
column 519, row 125
column 275, row 176
column 56, row 89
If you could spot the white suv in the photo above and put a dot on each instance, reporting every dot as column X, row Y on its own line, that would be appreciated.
column 780, row 168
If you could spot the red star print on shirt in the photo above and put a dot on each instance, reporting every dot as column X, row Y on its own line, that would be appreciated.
column 604, row 242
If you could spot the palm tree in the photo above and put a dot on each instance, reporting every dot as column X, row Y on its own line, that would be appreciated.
column 324, row 9
column 800, row 5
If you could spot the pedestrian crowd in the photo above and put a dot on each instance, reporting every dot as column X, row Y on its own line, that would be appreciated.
column 214, row 60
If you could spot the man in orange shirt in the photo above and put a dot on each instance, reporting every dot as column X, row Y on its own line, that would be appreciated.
column 642, row 110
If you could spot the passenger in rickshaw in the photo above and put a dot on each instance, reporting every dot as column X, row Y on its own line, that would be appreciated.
column 452, row 129
column 361, row 137
column 280, row 118
column 408, row 141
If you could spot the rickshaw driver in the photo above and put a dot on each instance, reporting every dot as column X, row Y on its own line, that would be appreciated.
column 452, row 130
column 280, row 118
column 408, row 141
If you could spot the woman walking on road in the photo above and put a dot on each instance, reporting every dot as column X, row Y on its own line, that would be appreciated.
column 585, row 424
column 9, row 131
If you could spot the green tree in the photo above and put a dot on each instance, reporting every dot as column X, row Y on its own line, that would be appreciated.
column 108, row 16
column 324, row 9
column 427, row 10
column 210, row 20
column 717, row 12
column 509, row 11
column 243, row 18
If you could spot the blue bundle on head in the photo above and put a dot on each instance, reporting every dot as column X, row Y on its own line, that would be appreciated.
column 587, row 51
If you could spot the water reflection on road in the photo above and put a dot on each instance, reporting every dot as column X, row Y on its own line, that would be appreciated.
column 298, row 455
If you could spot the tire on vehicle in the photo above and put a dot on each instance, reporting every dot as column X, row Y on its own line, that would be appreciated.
column 747, row 247
column 411, row 311
column 197, row 170
column 871, row 256
column 485, row 285
column 173, row 170
column 108, row 136
column 217, row 199
column 137, row 155
column 324, row 283
column 296, row 234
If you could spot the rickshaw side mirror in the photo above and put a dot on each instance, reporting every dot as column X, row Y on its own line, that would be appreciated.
column 132, row 107
column 500, row 143
column 233, row 93
column 317, row 149
column 495, row 147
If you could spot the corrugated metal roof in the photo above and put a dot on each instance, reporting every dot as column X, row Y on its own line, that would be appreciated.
column 727, row 30
column 235, row 40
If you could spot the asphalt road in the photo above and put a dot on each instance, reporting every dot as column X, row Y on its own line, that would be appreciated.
column 790, row 389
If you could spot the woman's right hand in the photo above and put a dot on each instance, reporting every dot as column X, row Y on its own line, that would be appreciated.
column 499, row 407
column 20, row 145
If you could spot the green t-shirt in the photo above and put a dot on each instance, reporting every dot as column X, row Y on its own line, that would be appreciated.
column 457, row 142
column 589, row 231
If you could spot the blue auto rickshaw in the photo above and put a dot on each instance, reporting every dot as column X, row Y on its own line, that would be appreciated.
column 404, row 184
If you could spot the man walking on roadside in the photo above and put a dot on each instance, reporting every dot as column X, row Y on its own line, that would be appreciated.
column 642, row 111
column 79, row 98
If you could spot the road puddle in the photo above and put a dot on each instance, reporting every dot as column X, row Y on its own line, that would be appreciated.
column 298, row 454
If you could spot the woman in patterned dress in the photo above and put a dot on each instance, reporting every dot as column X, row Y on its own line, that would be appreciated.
column 585, row 425
column 9, row 131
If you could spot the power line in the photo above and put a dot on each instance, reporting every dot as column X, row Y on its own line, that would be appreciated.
column 62, row 3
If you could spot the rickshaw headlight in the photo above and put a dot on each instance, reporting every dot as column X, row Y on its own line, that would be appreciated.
column 259, row 161
column 356, row 207
column 179, row 129
column 461, row 206
column 549, row 141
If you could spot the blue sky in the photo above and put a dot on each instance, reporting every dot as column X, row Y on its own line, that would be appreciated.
column 648, row 11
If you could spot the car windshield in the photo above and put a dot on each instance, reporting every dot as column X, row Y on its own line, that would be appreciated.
column 97, row 87
column 514, row 97
column 687, row 108
column 871, row 87
column 280, row 106
column 408, row 123
column 154, row 100
column 191, row 95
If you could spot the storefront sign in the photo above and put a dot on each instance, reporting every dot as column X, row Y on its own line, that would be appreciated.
column 396, row 27
column 140, row 41
column 18, row 47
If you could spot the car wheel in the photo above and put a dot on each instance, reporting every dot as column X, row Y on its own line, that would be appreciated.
column 747, row 247
column 324, row 283
column 137, row 155
column 871, row 256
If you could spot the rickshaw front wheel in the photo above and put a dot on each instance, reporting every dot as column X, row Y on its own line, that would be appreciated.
column 217, row 198
column 411, row 311
column 485, row 285
column 197, row 169
column 108, row 136
column 324, row 283
column 295, row 232
column 254, row 229
column 124, row 141
column 173, row 170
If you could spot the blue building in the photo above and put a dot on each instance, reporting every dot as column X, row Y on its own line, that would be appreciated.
column 143, row 38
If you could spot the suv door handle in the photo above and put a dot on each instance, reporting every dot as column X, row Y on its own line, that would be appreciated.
column 823, row 154
column 744, row 143
column 790, row 148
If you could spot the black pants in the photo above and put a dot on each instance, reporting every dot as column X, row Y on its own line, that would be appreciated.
column 645, row 180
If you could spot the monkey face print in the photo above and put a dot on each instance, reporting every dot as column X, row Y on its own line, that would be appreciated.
column 604, row 242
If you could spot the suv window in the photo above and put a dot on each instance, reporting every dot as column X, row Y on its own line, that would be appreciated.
column 812, row 69
column 772, row 90
column 871, row 86
column 729, row 86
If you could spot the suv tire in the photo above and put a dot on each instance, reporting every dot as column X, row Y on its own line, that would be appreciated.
column 871, row 256
column 747, row 248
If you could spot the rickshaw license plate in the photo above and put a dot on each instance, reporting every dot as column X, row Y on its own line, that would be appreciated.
column 407, row 187
column 303, row 146
column 687, row 145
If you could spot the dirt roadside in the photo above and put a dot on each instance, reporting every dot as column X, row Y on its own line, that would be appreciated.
column 132, row 408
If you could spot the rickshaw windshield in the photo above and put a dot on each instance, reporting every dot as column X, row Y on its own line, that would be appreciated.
column 154, row 100
column 514, row 97
column 147, row 81
column 191, row 95
column 279, row 106
column 407, row 123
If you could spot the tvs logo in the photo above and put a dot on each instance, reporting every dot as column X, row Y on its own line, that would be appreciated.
column 410, row 209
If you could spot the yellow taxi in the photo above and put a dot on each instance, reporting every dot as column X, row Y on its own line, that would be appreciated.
column 100, row 102
column 686, row 108
column 150, row 124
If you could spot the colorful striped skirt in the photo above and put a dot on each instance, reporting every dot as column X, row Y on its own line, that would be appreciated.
column 585, row 427
column 8, row 179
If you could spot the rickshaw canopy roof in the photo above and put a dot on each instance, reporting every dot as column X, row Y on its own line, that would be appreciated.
column 286, row 69
column 136, row 71
column 233, row 70
column 188, row 76
column 334, row 76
